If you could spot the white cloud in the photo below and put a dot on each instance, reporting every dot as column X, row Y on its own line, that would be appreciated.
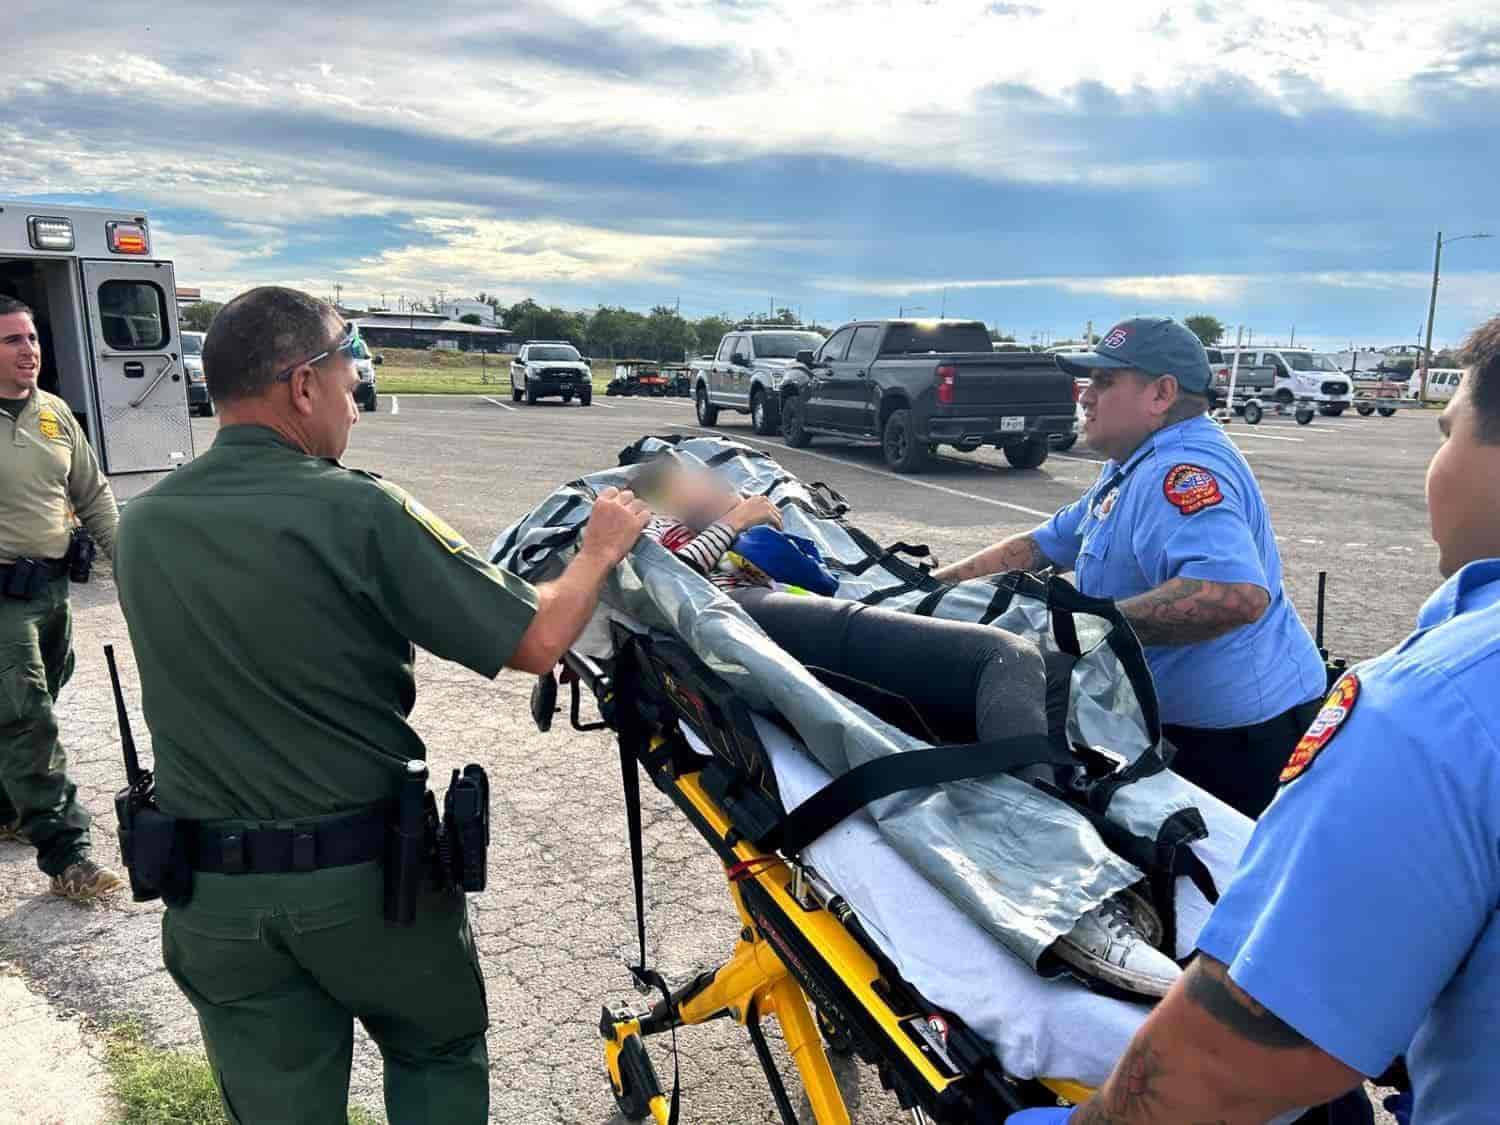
column 1178, row 287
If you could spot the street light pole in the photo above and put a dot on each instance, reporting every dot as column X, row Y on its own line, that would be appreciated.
column 1426, row 356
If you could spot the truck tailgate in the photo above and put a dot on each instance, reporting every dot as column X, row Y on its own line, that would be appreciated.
column 1010, row 379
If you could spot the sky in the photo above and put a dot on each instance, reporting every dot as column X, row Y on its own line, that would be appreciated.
column 1281, row 164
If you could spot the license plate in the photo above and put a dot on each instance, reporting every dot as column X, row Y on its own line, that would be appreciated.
column 1012, row 424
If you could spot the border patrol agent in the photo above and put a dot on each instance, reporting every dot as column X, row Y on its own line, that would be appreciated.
column 273, row 598
column 1362, row 923
column 1176, row 531
column 47, row 472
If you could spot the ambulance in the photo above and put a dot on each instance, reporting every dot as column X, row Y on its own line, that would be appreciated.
column 106, row 315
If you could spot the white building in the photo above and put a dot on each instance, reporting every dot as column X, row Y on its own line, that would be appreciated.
column 457, row 310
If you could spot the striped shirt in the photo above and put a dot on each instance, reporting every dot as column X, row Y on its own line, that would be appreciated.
column 707, row 551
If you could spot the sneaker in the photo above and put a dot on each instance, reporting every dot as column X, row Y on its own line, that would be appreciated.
column 11, row 830
column 85, row 880
column 1109, row 945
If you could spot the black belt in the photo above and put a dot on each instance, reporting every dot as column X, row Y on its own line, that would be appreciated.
column 284, row 848
column 52, row 568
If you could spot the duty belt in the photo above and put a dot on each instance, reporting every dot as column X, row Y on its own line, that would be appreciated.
column 283, row 848
column 52, row 568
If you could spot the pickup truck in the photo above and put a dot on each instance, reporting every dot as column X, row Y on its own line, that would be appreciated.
column 917, row 385
column 745, row 374
column 544, row 368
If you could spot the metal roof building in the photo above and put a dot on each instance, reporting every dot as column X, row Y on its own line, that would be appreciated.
column 430, row 330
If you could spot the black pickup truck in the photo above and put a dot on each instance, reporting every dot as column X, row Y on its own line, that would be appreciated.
column 915, row 385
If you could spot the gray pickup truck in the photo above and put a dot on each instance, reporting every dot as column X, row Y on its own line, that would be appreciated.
column 745, row 373
column 917, row 385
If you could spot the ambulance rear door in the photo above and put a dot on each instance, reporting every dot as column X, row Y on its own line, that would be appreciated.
column 140, row 388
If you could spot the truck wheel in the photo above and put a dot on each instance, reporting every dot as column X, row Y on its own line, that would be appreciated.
column 515, row 392
column 1028, row 454
column 373, row 405
column 793, row 424
column 903, row 451
column 567, row 398
column 1304, row 415
column 1387, row 411
column 1331, row 409
column 764, row 415
column 530, row 395
column 209, row 410
column 1253, row 413
column 1285, row 397
column 708, row 413
column 1365, row 409
column 586, row 398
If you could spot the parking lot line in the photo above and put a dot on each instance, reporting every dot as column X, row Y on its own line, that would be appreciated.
column 1264, row 437
column 395, row 405
column 497, row 402
column 882, row 473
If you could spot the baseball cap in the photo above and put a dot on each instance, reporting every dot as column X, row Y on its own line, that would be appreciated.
column 1157, row 345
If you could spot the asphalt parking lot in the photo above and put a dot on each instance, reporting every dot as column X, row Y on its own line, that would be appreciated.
column 1345, row 496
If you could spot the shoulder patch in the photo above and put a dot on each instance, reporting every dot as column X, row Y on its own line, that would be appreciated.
column 1191, row 488
column 1336, row 710
column 438, row 527
column 50, row 424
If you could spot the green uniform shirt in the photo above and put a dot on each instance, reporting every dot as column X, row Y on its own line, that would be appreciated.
column 47, row 470
column 273, row 599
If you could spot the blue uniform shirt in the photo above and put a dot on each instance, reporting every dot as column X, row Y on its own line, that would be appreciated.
column 1185, row 505
column 1364, row 910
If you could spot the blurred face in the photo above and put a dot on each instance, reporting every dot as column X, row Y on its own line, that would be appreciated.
column 323, row 397
column 20, row 356
column 1461, row 488
column 1123, row 408
column 696, row 498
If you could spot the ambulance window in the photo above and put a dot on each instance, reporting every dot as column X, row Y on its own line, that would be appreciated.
column 132, row 315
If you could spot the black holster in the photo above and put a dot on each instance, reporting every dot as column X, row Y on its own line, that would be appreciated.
column 80, row 556
column 466, row 828
column 153, row 846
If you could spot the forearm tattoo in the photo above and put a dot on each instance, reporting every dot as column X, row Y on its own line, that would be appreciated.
column 1019, row 552
column 1184, row 611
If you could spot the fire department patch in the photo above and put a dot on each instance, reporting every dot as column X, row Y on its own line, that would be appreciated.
column 1191, row 488
column 1336, row 709
column 49, row 425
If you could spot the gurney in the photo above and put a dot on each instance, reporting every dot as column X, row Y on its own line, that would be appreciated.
column 837, row 931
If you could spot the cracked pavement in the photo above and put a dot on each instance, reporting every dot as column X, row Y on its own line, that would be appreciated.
column 556, row 925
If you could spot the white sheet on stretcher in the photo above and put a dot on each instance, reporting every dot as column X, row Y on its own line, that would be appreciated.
column 1037, row 1027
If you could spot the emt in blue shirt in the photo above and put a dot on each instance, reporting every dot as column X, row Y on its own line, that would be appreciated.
column 1176, row 531
column 1363, row 923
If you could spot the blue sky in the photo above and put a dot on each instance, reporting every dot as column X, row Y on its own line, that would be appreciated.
column 1274, row 162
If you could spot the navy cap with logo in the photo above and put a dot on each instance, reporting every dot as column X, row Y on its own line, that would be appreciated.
column 1156, row 345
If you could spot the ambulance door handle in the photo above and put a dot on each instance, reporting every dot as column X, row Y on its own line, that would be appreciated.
column 160, row 375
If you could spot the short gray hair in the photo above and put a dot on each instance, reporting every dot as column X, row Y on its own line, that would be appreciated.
column 260, row 334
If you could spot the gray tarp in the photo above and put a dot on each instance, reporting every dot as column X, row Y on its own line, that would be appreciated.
column 1020, row 862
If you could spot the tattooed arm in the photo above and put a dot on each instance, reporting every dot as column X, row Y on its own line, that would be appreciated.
column 1019, row 552
column 1184, row 611
column 1210, row 1055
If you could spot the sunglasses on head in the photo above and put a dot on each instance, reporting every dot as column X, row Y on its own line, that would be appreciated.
column 343, row 345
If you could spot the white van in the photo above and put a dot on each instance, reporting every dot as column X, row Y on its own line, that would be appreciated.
column 1442, row 382
column 1302, row 374
column 106, row 313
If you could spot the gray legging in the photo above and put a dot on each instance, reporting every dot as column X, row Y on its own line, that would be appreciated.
column 967, row 682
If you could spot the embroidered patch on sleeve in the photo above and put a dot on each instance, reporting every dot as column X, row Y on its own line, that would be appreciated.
column 438, row 527
column 1191, row 488
column 1336, row 709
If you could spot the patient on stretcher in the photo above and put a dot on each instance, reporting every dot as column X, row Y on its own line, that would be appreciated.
column 965, row 683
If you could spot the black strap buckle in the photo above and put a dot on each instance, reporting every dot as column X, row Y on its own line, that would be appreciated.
column 232, row 852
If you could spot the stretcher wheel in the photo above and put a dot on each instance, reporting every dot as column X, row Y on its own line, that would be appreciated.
column 839, row 1041
column 638, row 1081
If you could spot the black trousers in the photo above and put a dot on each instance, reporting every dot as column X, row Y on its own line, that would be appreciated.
column 1241, row 765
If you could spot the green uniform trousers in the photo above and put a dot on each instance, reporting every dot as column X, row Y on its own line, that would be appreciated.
column 36, row 660
column 279, row 967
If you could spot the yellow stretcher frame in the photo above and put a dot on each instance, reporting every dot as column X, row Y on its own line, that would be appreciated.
column 791, row 943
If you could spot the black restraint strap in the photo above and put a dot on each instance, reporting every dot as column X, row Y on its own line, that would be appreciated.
column 283, row 849
column 646, row 978
column 913, row 769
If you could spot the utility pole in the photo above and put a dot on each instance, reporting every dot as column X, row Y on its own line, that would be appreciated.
column 1425, row 359
column 1292, row 340
column 943, row 311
